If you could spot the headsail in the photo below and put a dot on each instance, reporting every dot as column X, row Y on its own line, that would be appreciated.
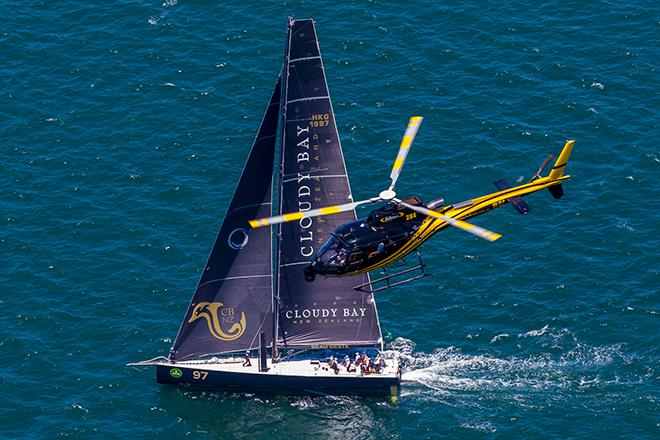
column 325, row 312
column 233, row 299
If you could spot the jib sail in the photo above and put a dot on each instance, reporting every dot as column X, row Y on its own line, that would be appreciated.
column 233, row 299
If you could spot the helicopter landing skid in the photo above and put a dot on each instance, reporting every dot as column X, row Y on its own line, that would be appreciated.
column 387, row 281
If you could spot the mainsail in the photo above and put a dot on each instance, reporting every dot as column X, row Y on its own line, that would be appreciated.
column 325, row 312
column 233, row 299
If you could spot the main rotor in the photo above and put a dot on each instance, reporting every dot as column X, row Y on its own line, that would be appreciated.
column 387, row 195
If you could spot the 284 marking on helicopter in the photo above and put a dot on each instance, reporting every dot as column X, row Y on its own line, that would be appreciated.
column 399, row 227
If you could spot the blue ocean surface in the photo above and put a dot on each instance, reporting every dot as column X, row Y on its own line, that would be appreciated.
column 125, row 125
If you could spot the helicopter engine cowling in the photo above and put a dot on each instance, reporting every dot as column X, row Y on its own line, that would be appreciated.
column 435, row 204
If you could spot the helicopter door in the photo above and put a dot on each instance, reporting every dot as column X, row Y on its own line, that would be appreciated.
column 355, row 259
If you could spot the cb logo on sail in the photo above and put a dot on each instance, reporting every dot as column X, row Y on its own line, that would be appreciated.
column 220, row 320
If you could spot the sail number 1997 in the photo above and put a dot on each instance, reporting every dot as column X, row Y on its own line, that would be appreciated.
column 320, row 120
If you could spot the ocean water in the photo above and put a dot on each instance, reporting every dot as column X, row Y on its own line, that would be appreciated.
column 125, row 125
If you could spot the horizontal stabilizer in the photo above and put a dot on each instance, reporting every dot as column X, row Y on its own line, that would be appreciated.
column 517, row 202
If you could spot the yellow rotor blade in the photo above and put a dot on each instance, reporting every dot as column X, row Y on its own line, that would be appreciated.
column 404, row 148
column 472, row 229
column 467, row 227
column 260, row 222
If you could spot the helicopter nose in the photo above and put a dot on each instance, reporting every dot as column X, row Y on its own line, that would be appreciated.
column 317, row 265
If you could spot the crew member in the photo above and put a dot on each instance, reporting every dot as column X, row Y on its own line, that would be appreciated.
column 379, row 250
column 347, row 363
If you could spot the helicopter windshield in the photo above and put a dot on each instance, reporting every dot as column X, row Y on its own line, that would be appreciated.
column 333, row 253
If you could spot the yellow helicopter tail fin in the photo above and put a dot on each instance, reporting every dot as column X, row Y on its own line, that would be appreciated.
column 558, row 170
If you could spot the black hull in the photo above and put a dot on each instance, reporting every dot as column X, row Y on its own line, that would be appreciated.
column 278, row 384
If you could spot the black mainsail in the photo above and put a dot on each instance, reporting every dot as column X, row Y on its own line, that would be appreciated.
column 233, row 299
column 325, row 312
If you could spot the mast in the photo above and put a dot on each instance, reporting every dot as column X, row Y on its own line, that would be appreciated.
column 280, row 171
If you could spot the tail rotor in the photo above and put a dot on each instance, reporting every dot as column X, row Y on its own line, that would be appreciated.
column 545, row 163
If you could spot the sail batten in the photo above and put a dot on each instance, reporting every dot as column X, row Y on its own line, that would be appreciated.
column 233, row 299
column 325, row 312
column 310, row 98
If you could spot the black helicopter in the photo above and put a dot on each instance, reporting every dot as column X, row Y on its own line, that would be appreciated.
column 397, row 228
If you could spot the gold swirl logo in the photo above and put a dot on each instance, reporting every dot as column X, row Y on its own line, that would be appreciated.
column 216, row 316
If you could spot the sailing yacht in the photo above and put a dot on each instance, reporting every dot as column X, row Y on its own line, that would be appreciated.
column 254, row 323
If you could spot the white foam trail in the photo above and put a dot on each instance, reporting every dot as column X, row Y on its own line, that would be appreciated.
column 498, row 337
column 449, row 371
column 538, row 332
